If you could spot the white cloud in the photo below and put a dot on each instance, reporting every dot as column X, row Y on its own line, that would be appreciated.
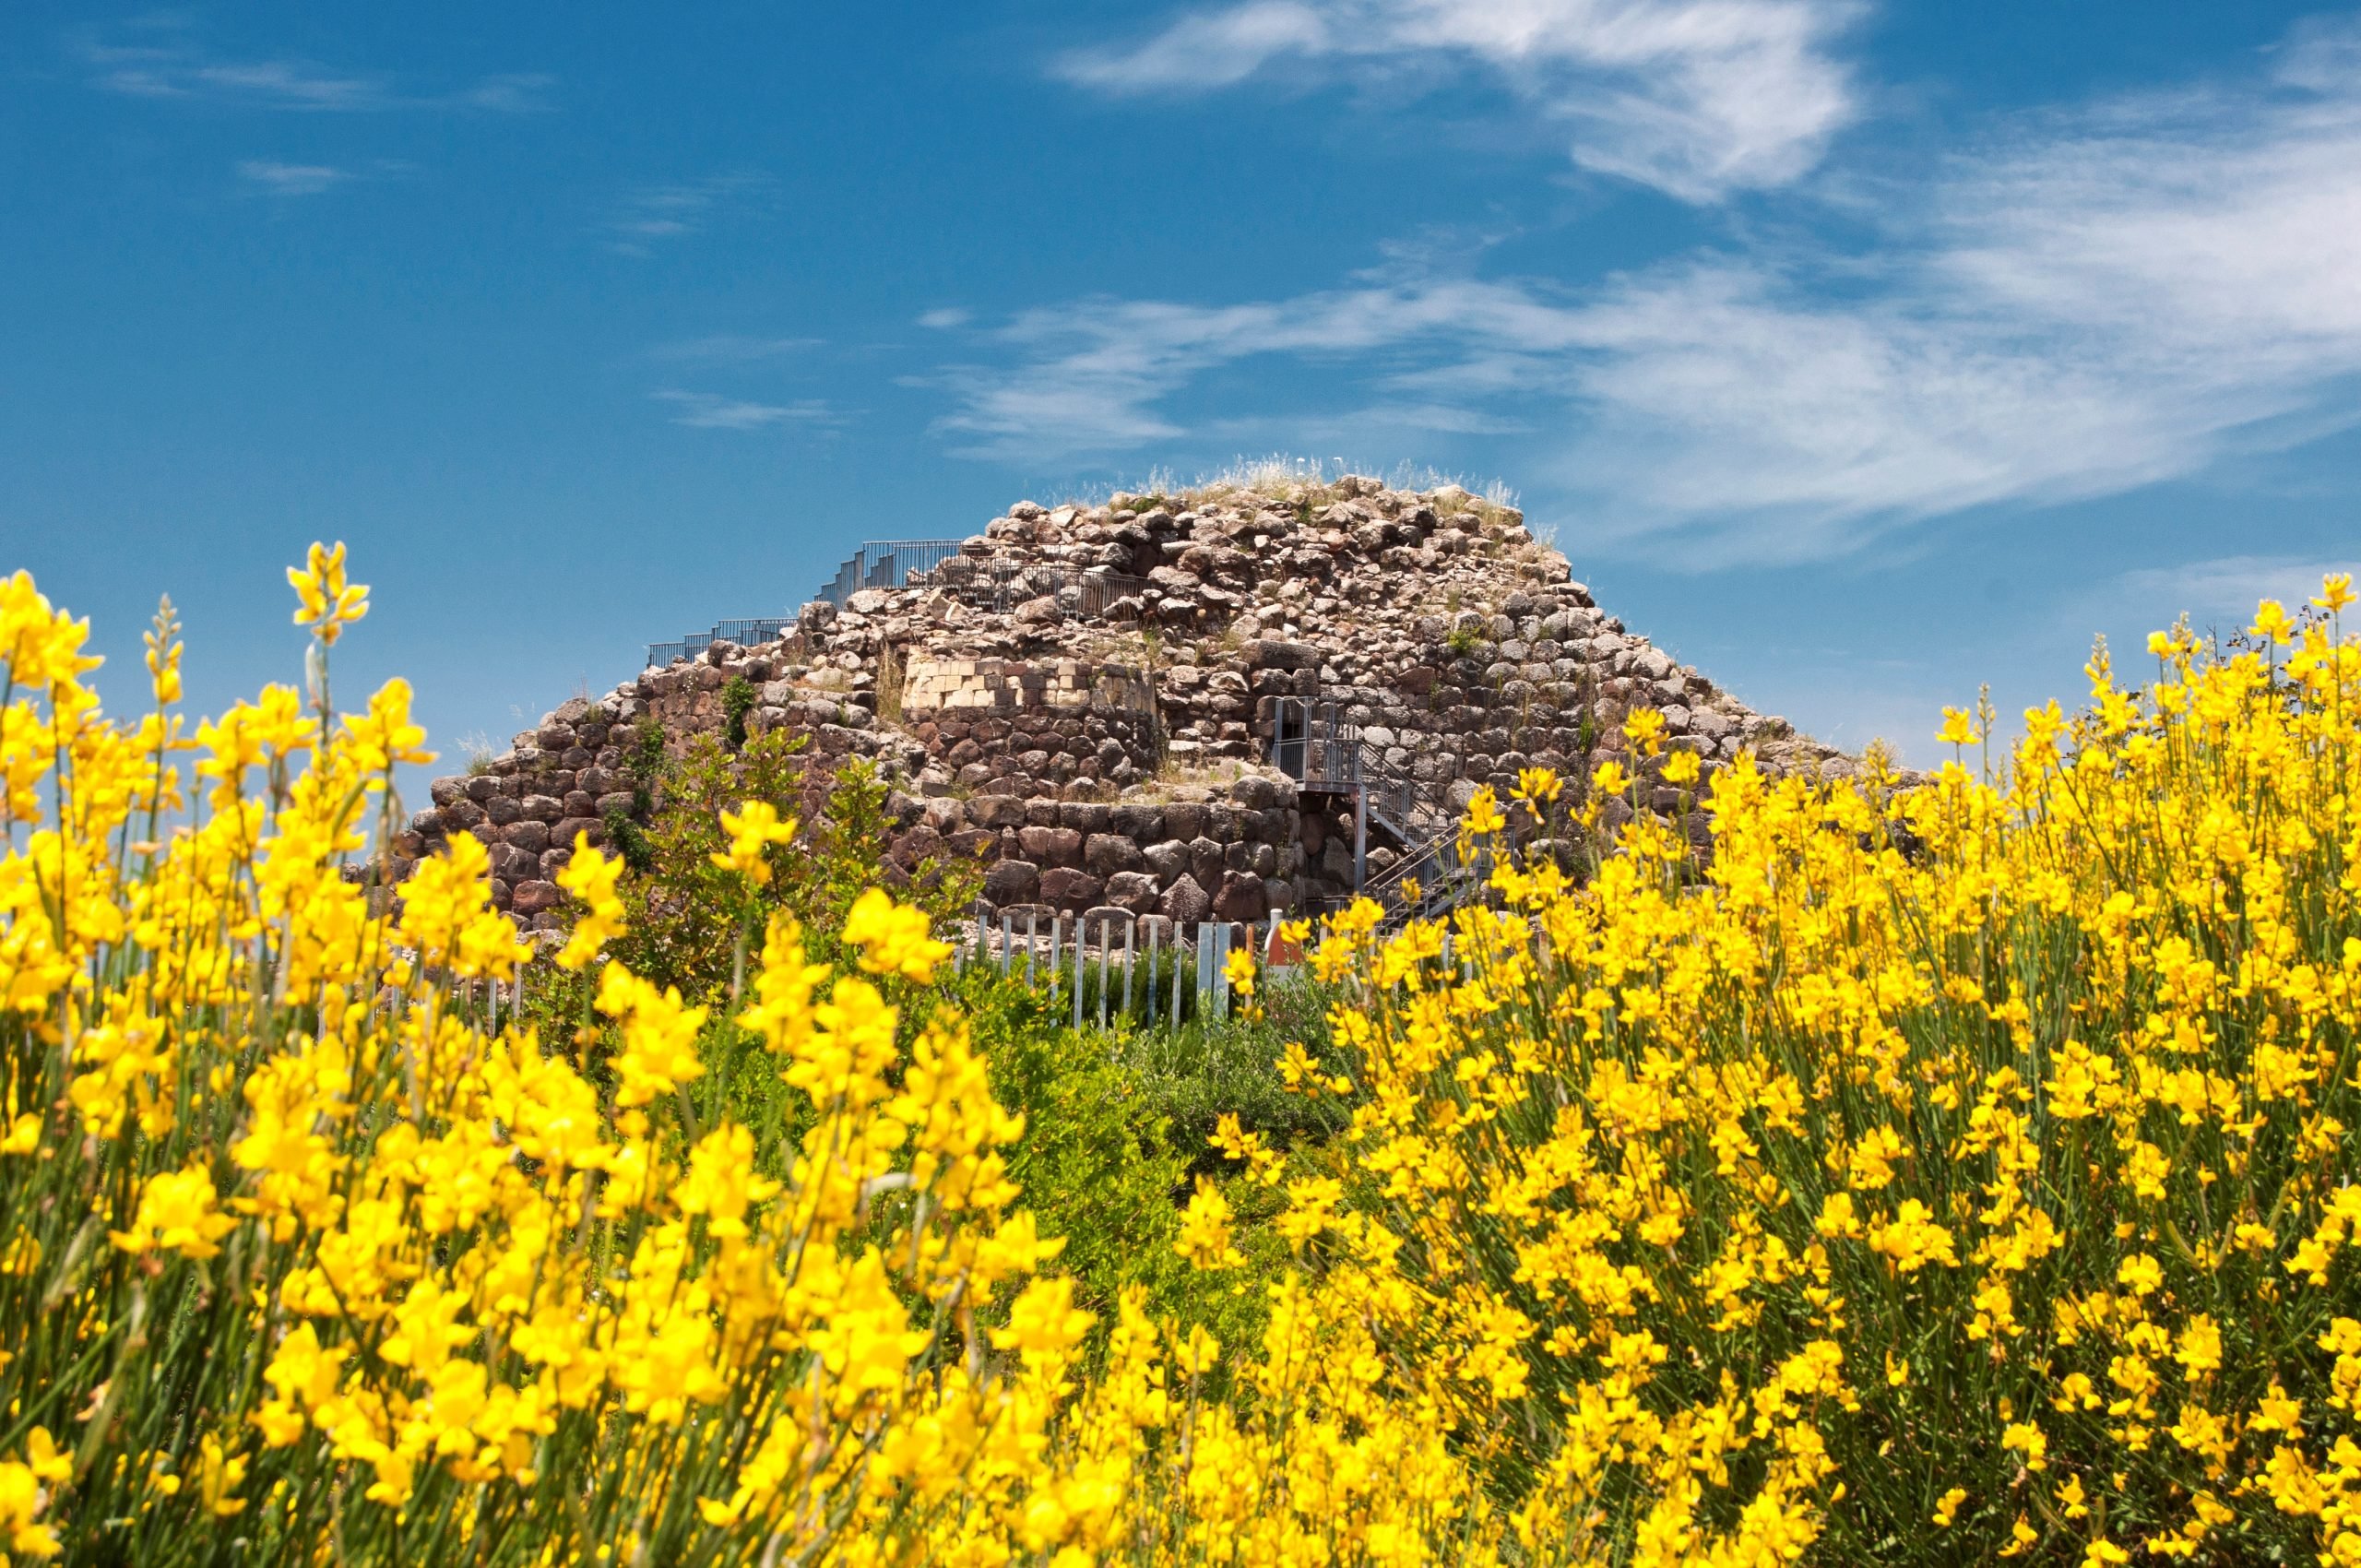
column 289, row 179
column 2078, row 304
column 709, row 410
column 944, row 319
column 1699, row 98
column 663, row 212
column 730, row 348
column 161, row 58
column 514, row 92
column 2220, row 594
column 1094, row 371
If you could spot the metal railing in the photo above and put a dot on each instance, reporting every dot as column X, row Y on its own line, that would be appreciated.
column 887, row 564
column 1314, row 744
column 1429, row 879
column 999, row 585
column 743, row 631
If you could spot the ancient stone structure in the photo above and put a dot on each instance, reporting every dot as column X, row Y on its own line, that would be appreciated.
column 1085, row 699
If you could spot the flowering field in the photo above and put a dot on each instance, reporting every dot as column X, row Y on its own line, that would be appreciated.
column 1932, row 1176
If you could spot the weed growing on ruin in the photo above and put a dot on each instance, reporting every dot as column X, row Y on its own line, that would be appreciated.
column 643, row 760
column 478, row 749
column 740, row 697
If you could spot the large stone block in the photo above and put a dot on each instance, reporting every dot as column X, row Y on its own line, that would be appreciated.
column 513, row 865
column 1143, row 824
column 1052, row 846
column 916, row 845
column 532, row 897
column 562, row 834
column 1013, row 882
column 1267, row 653
column 1066, row 888
column 1085, row 816
column 1241, row 898
column 1107, row 853
column 1185, row 903
column 996, row 810
column 1133, row 890
column 973, row 843
column 1103, row 925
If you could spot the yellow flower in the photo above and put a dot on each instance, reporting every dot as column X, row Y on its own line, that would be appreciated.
column 1643, row 727
column 1205, row 1230
column 1483, row 814
column 1537, row 787
column 177, row 1213
column 1681, row 769
column 753, row 829
column 1609, row 777
column 2141, row 1273
column 20, row 1506
column 328, row 604
column 2271, row 622
column 2028, row 1439
column 590, row 877
column 218, row 1476
column 49, row 1462
column 2336, row 591
column 384, row 738
column 1240, row 968
column 1959, row 728
column 891, row 936
column 41, row 650
column 1947, row 1506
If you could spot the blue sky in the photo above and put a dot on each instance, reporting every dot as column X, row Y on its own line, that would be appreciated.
column 1856, row 352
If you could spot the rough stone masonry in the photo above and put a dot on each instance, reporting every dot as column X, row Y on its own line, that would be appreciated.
column 1082, row 700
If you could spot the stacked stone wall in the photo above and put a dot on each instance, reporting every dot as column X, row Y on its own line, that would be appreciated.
column 1112, row 764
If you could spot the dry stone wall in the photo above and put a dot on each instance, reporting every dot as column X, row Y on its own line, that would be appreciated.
column 1095, row 728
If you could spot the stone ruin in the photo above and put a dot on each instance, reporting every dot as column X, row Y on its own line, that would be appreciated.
column 1096, row 703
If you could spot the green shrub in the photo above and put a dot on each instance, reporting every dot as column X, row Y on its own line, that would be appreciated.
column 740, row 697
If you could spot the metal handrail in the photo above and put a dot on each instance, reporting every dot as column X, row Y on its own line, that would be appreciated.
column 745, row 631
column 887, row 564
column 998, row 586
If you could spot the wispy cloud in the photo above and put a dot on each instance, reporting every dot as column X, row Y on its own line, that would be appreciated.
column 657, row 213
column 2076, row 305
column 730, row 348
column 2219, row 594
column 711, row 410
column 276, row 179
column 944, row 319
column 1094, row 372
column 1699, row 98
column 163, row 58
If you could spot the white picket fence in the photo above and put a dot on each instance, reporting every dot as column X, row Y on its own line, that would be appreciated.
column 1132, row 982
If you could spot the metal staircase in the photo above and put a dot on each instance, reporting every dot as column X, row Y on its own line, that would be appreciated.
column 1314, row 744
